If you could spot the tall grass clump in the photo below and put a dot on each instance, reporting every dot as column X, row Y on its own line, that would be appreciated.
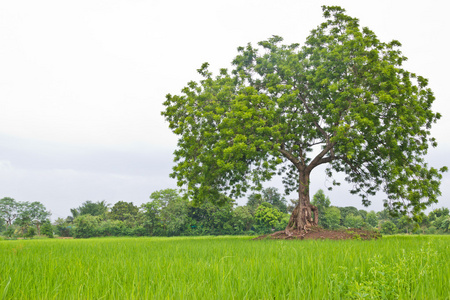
column 399, row 267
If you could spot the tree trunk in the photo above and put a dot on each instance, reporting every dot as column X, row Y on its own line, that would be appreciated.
column 38, row 227
column 302, row 217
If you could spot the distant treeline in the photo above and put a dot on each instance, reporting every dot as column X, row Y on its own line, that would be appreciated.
column 170, row 214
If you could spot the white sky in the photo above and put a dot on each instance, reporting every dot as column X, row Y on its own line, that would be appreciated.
column 82, row 85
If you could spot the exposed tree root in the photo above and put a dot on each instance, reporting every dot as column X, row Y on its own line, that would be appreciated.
column 317, row 232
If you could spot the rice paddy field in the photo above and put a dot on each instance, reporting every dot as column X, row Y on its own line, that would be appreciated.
column 397, row 267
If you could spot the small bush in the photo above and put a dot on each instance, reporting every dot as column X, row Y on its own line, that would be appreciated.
column 388, row 227
column 86, row 226
column 9, row 232
column 47, row 229
column 30, row 232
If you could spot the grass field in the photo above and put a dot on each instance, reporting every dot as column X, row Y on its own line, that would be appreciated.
column 405, row 267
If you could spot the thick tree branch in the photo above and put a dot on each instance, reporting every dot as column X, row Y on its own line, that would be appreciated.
column 327, row 159
column 291, row 157
column 324, row 133
column 319, row 159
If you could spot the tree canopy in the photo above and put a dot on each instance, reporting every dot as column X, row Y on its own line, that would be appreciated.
column 90, row 208
column 269, row 195
column 342, row 99
column 124, row 211
column 8, row 209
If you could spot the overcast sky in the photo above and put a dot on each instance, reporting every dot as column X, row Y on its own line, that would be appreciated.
column 82, row 85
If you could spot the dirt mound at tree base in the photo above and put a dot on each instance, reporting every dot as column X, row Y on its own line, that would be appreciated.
column 317, row 233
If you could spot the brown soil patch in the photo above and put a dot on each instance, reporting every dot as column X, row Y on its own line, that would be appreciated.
column 317, row 233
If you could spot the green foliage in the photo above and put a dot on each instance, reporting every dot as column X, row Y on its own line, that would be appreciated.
column 164, row 197
column 170, row 214
column 29, row 232
column 23, row 221
column 31, row 213
column 282, row 223
column 332, row 216
column 388, row 227
column 385, row 214
column 406, row 224
column 431, row 230
column 47, row 229
column 424, row 220
column 173, row 210
column 269, row 195
column 363, row 214
column 322, row 202
column 352, row 221
column 442, row 223
column 208, row 218
column 151, row 219
column 9, row 232
column 445, row 226
column 254, row 200
column 113, row 228
column 431, row 216
column 267, row 217
column 166, row 214
column 86, row 226
column 2, row 224
column 124, row 211
column 344, row 92
column 372, row 219
column 356, row 237
column 8, row 210
column 346, row 211
column 292, row 204
column 443, row 211
column 99, row 208
column 63, row 228
column 242, row 219
column 272, row 196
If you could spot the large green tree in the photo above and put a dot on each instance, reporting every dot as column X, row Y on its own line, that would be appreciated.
column 88, row 207
column 33, row 213
column 372, row 219
column 242, row 219
column 150, row 216
column 269, row 195
column 267, row 216
column 124, row 211
column 332, row 217
column 322, row 202
column 173, row 210
column 8, row 210
column 342, row 99
column 213, row 219
column 86, row 226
